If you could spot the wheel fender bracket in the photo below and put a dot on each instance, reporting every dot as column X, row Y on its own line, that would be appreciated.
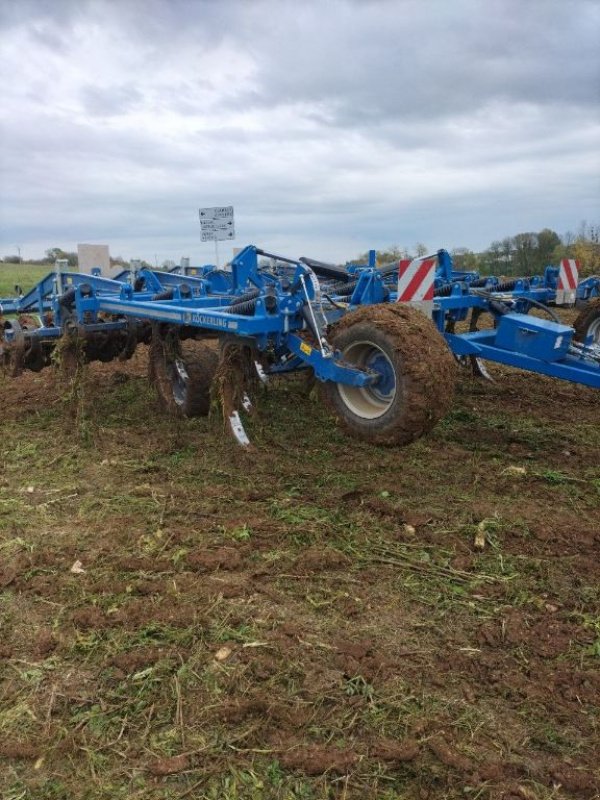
column 329, row 367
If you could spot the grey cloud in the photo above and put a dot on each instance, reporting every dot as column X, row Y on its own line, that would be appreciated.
column 107, row 101
column 433, row 62
column 349, row 124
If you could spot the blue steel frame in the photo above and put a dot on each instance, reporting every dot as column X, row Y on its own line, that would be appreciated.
column 289, row 315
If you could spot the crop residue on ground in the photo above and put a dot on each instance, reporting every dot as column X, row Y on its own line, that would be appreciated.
column 321, row 618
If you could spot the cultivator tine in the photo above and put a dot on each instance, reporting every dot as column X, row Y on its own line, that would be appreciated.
column 262, row 375
column 235, row 378
column 480, row 370
column 476, row 365
column 237, row 428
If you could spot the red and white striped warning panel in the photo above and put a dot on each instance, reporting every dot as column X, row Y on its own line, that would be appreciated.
column 568, row 278
column 415, row 282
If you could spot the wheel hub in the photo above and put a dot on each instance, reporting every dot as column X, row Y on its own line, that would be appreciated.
column 385, row 387
column 374, row 400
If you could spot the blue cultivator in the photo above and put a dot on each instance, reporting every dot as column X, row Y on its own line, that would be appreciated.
column 381, row 348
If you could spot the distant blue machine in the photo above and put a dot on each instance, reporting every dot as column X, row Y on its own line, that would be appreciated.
column 353, row 327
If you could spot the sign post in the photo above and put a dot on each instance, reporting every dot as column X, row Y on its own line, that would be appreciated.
column 216, row 224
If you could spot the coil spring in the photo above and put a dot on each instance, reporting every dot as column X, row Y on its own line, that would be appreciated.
column 443, row 291
column 506, row 286
column 245, row 309
column 244, row 304
column 251, row 294
column 342, row 289
column 479, row 283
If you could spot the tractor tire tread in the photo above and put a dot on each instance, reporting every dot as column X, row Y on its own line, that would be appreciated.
column 586, row 317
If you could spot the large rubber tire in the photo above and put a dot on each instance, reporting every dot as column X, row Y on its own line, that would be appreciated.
column 588, row 322
column 182, row 374
column 418, row 369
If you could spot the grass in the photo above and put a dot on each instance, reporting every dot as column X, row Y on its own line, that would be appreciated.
column 268, row 624
column 25, row 275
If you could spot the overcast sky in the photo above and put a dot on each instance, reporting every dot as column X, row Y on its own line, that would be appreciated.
column 331, row 126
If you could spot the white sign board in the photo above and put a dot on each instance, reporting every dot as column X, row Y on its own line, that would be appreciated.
column 216, row 223
column 92, row 256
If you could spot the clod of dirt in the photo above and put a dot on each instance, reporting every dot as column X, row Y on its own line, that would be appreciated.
column 287, row 718
column 493, row 771
column 551, row 637
column 24, row 750
column 148, row 587
column 462, row 562
column 448, row 756
column 237, row 711
column 520, row 793
column 45, row 642
column 319, row 682
column 394, row 751
column 137, row 659
column 7, row 576
column 415, row 519
column 357, row 650
column 169, row 766
column 208, row 560
column 89, row 617
column 575, row 780
column 380, row 508
column 316, row 760
column 292, row 630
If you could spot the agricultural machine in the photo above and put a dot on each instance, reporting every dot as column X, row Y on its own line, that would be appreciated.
column 382, row 342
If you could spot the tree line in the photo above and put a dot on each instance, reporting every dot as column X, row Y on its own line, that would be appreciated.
column 522, row 254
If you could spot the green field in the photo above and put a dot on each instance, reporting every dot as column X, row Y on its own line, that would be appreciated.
column 26, row 275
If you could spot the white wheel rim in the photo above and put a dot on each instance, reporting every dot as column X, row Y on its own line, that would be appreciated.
column 373, row 401
column 594, row 331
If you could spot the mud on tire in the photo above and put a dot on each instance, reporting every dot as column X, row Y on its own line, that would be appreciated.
column 419, row 374
column 588, row 322
column 182, row 374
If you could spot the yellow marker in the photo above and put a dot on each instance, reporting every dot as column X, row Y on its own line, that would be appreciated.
column 306, row 348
